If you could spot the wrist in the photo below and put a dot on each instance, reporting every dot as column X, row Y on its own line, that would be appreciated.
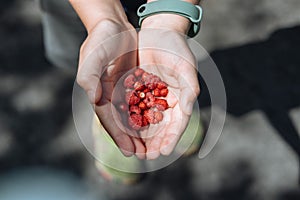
column 91, row 12
column 167, row 21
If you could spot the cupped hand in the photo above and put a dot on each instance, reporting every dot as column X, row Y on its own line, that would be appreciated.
column 165, row 53
column 109, row 52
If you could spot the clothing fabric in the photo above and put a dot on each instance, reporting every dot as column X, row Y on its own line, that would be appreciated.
column 64, row 32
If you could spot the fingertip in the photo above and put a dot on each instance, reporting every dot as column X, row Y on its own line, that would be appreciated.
column 141, row 156
column 91, row 95
column 126, row 153
column 168, row 145
column 187, row 101
column 140, row 149
column 125, row 145
column 151, row 155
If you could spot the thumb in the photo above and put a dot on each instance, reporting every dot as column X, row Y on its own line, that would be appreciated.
column 103, row 45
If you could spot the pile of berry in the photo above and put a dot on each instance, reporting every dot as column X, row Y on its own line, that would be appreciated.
column 144, row 99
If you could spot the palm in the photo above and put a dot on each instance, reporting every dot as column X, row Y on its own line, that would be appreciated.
column 108, row 53
column 174, row 64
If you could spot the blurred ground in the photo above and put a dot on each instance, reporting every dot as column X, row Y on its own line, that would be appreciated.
column 255, row 45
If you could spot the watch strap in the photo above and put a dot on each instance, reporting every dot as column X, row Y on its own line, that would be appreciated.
column 183, row 8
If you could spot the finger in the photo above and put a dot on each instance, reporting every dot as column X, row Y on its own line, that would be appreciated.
column 174, row 131
column 153, row 146
column 153, row 151
column 122, row 139
column 189, row 88
column 101, row 48
column 140, row 150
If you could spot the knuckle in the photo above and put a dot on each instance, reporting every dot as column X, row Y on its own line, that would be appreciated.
column 82, row 80
column 197, row 90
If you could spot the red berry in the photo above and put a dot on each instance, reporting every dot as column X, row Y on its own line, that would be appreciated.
column 146, row 90
column 134, row 100
column 128, row 95
column 129, row 81
column 138, row 72
column 135, row 109
column 131, row 98
column 149, row 115
column 161, row 104
column 164, row 92
column 135, row 121
column 142, row 105
column 139, row 86
column 161, row 85
column 145, row 121
column 156, row 92
column 158, row 116
column 145, row 76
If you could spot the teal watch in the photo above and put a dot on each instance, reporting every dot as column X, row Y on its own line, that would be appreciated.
column 183, row 8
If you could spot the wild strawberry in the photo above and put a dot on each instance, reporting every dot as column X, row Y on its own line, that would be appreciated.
column 135, row 121
column 164, row 92
column 161, row 85
column 135, row 109
column 145, row 75
column 161, row 104
column 134, row 100
column 128, row 95
column 142, row 105
column 138, row 72
column 145, row 121
column 146, row 90
column 131, row 98
column 139, row 86
column 129, row 81
column 158, row 116
column 156, row 92
column 149, row 115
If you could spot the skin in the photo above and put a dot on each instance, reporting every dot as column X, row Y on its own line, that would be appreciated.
column 98, row 58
